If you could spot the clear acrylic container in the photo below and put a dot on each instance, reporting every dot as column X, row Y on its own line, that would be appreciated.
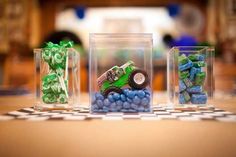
column 120, row 73
column 190, row 76
column 57, row 78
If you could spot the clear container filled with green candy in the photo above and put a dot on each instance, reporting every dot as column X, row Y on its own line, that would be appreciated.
column 120, row 73
column 190, row 76
column 57, row 76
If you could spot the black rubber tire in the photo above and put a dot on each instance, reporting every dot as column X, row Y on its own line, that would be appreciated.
column 111, row 89
column 135, row 85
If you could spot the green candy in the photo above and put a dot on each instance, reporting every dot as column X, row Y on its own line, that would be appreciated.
column 186, row 96
column 183, row 74
column 199, row 64
column 62, row 98
column 200, row 78
column 46, row 55
column 183, row 59
column 56, row 87
column 56, row 57
column 52, row 77
column 49, row 98
column 187, row 82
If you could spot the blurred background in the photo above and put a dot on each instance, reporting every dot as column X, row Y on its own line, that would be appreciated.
column 28, row 24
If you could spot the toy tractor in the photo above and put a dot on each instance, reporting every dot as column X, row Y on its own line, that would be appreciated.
column 117, row 77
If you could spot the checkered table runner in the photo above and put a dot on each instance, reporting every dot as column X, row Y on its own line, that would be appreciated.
column 159, row 113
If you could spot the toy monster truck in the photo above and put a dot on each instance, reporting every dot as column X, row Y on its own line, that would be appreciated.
column 117, row 77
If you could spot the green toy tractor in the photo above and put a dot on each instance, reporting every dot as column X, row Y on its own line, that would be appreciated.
column 117, row 77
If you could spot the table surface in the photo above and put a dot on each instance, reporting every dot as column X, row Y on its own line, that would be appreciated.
column 95, row 138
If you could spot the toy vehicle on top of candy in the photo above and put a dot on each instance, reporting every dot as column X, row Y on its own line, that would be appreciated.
column 117, row 77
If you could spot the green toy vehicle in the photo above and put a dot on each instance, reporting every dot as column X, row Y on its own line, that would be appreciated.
column 117, row 77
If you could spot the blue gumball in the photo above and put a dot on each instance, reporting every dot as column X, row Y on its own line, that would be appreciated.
column 141, row 94
column 124, row 110
column 119, row 102
column 144, row 102
column 125, row 91
column 105, row 109
column 119, row 107
column 141, row 109
column 99, row 103
column 99, row 96
column 129, row 100
column 116, row 96
column 106, row 102
column 123, row 97
column 147, row 92
column 134, row 106
column 132, row 110
column 94, row 107
column 131, row 94
column 110, row 98
column 136, row 100
column 126, row 105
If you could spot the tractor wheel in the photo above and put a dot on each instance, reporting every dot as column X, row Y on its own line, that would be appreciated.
column 138, row 79
column 111, row 89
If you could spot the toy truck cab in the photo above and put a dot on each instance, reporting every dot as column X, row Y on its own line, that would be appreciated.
column 117, row 77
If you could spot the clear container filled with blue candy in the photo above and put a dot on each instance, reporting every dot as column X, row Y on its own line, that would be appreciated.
column 57, row 76
column 190, row 76
column 120, row 73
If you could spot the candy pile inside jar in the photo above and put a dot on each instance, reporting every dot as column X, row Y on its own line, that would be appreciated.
column 55, row 82
column 191, row 79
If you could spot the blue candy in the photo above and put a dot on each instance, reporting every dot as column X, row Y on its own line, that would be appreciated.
column 124, row 110
column 106, row 102
column 119, row 102
column 134, row 106
column 144, row 102
column 130, row 94
column 199, row 98
column 126, row 105
column 185, row 66
column 147, row 110
column 141, row 109
column 141, row 94
column 105, row 109
column 113, row 107
column 129, row 100
column 187, row 82
column 99, row 96
column 99, row 103
column 182, row 86
column 136, row 100
column 110, row 98
column 123, row 97
column 119, row 107
column 181, row 99
column 147, row 92
column 94, row 107
column 195, row 89
column 116, row 96
column 125, row 91
column 193, row 72
column 132, row 110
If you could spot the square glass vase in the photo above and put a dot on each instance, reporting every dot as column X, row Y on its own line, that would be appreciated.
column 57, row 78
column 120, row 73
column 190, row 81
